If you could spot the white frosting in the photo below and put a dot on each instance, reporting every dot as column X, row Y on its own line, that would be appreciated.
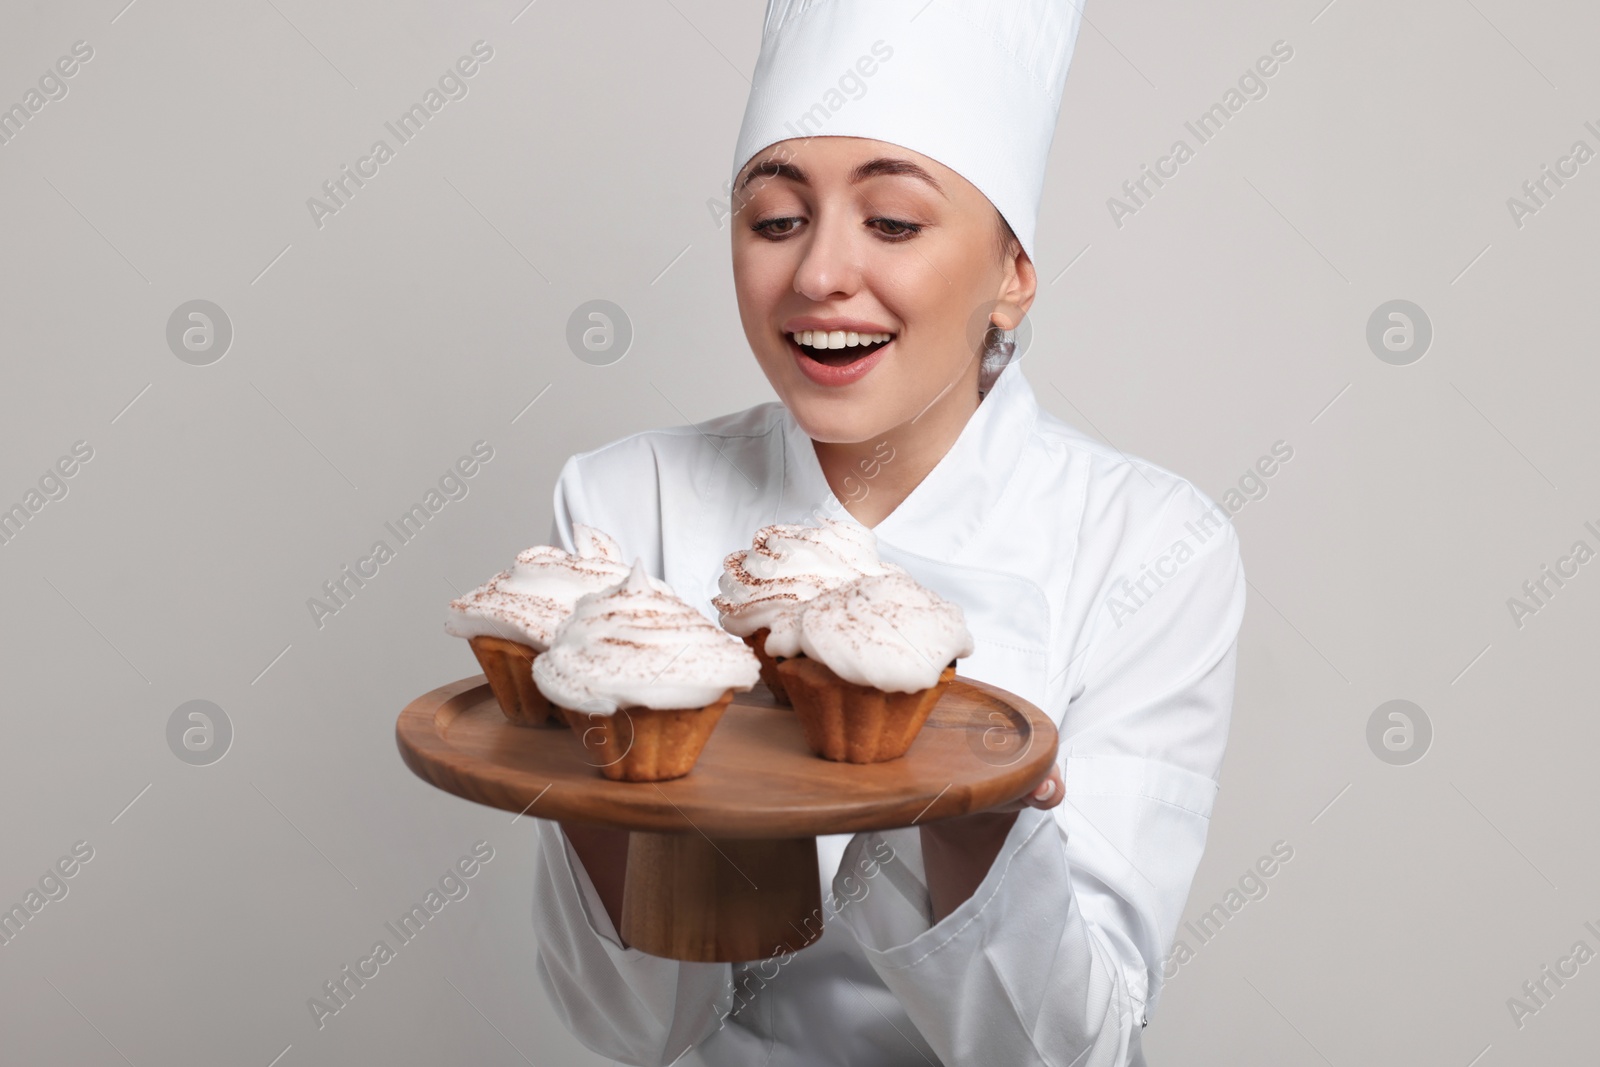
column 787, row 565
column 640, row 645
column 884, row 631
column 528, row 602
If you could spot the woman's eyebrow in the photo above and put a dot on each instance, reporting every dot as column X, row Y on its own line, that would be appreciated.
column 872, row 168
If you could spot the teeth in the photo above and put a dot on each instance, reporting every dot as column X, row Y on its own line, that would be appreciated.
column 837, row 338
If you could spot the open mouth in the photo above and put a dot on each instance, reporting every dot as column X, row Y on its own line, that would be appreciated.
column 838, row 348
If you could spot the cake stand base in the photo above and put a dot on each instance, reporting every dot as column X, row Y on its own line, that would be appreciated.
column 690, row 897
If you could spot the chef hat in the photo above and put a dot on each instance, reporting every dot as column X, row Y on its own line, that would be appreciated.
column 973, row 84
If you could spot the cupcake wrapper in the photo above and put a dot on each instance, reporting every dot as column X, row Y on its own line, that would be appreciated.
column 509, row 667
column 646, row 744
column 856, row 723
column 769, row 666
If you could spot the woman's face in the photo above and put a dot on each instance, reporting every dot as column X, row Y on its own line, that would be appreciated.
column 848, row 234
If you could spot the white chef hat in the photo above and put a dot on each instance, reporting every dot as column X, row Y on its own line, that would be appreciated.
column 973, row 84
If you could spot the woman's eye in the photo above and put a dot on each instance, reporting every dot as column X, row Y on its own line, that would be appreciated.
column 776, row 228
column 786, row 226
column 894, row 229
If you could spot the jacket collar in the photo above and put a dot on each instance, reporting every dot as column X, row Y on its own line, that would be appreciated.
column 948, row 508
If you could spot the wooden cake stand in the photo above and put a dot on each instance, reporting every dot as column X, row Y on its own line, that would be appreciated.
column 722, row 863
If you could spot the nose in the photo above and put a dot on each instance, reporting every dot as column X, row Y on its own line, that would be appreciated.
column 830, row 265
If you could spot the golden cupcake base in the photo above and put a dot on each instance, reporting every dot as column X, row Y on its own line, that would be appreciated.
column 646, row 744
column 769, row 666
column 856, row 723
column 508, row 665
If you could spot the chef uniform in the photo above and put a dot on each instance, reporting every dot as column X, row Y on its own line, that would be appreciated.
column 1102, row 588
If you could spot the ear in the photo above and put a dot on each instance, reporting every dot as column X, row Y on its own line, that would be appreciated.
column 1018, row 286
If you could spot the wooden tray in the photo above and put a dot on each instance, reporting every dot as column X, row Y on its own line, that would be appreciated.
column 722, row 863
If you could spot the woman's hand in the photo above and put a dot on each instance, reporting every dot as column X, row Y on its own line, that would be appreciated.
column 956, row 853
column 1046, row 795
column 604, row 855
column 997, row 821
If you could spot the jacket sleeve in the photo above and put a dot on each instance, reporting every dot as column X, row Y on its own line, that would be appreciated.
column 619, row 1002
column 1057, row 956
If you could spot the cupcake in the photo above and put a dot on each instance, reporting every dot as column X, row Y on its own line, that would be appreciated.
column 865, row 663
column 763, row 587
column 510, row 619
column 643, row 678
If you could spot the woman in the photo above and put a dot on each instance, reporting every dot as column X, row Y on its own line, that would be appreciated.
column 1102, row 588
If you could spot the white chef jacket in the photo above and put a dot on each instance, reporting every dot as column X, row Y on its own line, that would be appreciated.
column 1104, row 589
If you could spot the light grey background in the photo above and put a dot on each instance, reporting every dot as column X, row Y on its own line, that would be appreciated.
column 1227, row 314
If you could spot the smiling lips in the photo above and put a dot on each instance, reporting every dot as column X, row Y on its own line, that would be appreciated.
column 820, row 339
column 837, row 357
